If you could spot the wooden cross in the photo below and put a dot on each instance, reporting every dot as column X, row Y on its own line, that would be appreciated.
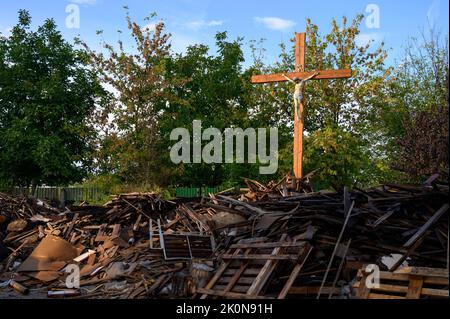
column 300, row 73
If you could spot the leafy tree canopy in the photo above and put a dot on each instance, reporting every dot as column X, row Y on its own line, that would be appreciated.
column 46, row 97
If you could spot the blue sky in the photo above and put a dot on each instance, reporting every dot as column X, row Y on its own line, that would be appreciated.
column 196, row 21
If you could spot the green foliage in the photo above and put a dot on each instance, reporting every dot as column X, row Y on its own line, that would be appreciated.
column 57, row 123
column 411, row 125
column 46, row 96
column 130, row 122
column 157, row 91
column 337, row 155
column 414, row 120
column 215, row 92
column 111, row 184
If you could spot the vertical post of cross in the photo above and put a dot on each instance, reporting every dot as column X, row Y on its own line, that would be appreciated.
column 300, row 53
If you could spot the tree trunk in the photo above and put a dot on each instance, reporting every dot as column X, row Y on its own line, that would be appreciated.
column 26, row 191
column 33, row 187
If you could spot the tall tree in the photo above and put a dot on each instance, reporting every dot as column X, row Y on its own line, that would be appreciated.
column 46, row 97
column 136, row 76
column 215, row 92
column 414, row 121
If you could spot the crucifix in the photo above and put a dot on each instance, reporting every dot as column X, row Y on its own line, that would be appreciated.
column 299, row 78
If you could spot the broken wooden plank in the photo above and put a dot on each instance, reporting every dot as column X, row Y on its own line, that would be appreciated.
column 323, row 75
column 261, row 257
column 295, row 273
column 347, row 217
column 264, row 274
column 232, row 295
column 415, row 287
column 441, row 211
column 424, row 271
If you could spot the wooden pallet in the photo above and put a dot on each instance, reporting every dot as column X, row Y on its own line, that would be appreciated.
column 406, row 283
column 187, row 246
column 247, row 267
column 179, row 246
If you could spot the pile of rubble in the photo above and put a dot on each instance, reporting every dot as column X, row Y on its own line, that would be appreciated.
column 267, row 242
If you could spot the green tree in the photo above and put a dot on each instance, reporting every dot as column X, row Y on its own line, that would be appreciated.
column 46, row 97
column 337, row 155
column 137, row 78
column 414, row 119
column 215, row 92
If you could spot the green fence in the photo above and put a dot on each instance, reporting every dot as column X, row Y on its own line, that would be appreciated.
column 79, row 194
column 189, row 192
column 76, row 194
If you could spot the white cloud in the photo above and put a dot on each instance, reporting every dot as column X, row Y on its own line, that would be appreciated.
column 85, row 2
column 275, row 23
column 180, row 42
column 215, row 23
column 199, row 24
column 5, row 33
column 363, row 39
column 433, row 12
column 149, row 27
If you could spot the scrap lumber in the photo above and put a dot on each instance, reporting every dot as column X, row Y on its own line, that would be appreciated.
column 347, row 218
column 295, row 272
column 247, row 270
column 409, row 283
column 272, row 241
column 427, row 225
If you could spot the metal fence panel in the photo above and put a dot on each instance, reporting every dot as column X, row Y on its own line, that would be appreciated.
column 76, row 194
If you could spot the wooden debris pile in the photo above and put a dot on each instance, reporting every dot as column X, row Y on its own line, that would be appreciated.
column 388, row 226
column 268, row 242
column 110, row 245
column 21, row 207
column 149, row 205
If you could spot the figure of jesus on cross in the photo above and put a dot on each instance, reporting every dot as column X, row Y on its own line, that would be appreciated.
column 299, row 89
column 299, row 78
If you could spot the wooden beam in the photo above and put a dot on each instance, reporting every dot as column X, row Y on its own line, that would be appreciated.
column 295, row 272
column 300, row 56
column 233, row 295
column 217, row 276
column 341, row 265
column 426, row 226
column 424, row 271
column 347, row 218
column 380, row 296
column 323, row 75
column 363, row 291
column 435, row 292
column 260, row 257
column 409, row 252
column 415, row 287
column 265, row 272
column 300, row 52
column 399, row 276
column 269, row 245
